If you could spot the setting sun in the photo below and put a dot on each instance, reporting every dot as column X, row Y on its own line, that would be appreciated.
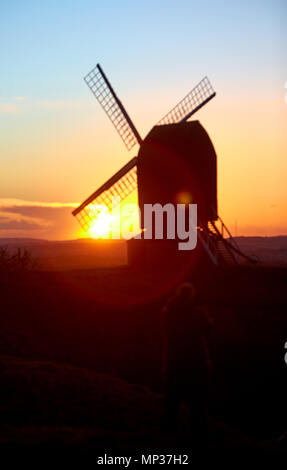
column 121, row 222
column 102, row 225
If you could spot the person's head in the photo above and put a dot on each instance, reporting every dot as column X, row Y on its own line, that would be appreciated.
column 186, row 292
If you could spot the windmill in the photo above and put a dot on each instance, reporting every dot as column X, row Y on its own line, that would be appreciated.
column 176, row 162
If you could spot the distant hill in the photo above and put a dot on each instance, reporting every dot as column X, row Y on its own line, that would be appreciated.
column 89, row 253
column 71, row 254
column 269, row 250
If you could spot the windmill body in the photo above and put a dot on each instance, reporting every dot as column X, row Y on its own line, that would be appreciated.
column 177, row 164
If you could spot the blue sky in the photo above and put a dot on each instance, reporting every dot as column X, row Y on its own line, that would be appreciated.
column 47, row 46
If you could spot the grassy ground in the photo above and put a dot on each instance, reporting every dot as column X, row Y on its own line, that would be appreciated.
column 81, row 360
column 54, row 406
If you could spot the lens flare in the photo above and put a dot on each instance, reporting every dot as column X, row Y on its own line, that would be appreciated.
column 184, row 197
column 101, row 226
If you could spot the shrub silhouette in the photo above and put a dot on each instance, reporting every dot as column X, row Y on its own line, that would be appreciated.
column 21, row 260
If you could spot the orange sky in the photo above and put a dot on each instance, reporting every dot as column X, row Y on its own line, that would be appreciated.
column 249, row 137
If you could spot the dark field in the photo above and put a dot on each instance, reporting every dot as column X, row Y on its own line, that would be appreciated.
column 81, row 361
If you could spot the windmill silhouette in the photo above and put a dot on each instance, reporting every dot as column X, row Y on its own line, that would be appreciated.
column 176, row 163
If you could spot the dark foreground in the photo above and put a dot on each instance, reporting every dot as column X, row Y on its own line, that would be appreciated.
column 80, row 364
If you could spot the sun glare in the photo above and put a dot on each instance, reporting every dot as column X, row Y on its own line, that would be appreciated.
column 102, row 226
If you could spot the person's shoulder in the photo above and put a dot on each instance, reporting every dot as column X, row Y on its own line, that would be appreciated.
column 205, row 317
column 171, row 308
column 171, row 304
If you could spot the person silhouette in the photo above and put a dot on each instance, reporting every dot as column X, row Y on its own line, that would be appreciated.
column 186, row 362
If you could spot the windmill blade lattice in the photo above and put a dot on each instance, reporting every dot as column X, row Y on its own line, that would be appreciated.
column 192, row 102
column 106, row 96
column 122, row 184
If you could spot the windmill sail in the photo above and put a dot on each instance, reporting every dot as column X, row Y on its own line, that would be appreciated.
column 192, row 102
column 122, row 184
column 106, row 96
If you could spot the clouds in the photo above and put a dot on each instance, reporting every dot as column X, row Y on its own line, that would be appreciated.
column 10, row 202
column 34, row 219
column 20, row 104
column 59, row 104
column 8, row 108
column 14, row 220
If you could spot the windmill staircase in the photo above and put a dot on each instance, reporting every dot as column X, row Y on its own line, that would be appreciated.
column 220, row 245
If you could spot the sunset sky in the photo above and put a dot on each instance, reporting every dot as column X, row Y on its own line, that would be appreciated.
column 57, row 145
